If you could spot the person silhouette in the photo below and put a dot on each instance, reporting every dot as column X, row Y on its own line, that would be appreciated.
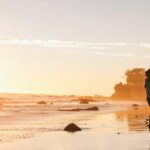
column 147, row 87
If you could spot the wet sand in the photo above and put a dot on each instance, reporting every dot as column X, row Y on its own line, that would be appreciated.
column 120, row 127
column 83, row 141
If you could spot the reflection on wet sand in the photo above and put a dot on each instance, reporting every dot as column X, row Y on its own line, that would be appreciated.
column 148, row 123
column 138, row 119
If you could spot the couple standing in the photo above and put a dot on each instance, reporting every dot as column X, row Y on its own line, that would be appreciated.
column 147, row 85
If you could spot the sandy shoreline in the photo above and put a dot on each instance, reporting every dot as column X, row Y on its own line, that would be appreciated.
column 121, row 128
column 83, row 141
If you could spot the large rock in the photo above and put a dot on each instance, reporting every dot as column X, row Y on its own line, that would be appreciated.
column 72, row 128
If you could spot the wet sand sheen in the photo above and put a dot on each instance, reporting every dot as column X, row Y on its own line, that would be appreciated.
column 122, row 130
column 83, row 141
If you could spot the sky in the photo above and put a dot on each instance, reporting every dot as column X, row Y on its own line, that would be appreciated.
column 80, row 47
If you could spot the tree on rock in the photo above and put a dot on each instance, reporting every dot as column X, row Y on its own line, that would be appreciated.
column 133, row 89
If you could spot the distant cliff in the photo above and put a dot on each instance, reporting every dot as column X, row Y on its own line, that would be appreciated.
column 133, row 89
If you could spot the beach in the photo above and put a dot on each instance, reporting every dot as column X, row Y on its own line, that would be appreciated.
column 75, row 75
column 26, row 125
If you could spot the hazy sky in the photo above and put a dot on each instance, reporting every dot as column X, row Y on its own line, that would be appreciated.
column 71, row 46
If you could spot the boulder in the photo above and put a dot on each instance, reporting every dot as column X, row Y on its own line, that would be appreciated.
column 72, row 128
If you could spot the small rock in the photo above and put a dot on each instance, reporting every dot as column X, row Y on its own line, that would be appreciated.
column 41, row 103
column 84, row 101
column 135, row 105
column 92, row 108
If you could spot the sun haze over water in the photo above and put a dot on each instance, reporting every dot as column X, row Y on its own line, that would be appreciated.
column 71, row 47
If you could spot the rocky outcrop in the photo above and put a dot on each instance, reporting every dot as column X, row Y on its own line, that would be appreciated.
column 133, row 88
